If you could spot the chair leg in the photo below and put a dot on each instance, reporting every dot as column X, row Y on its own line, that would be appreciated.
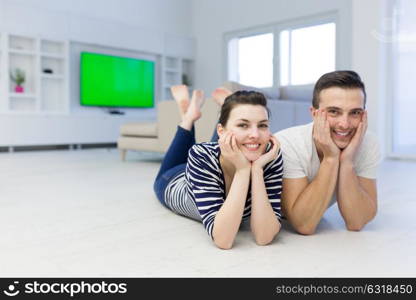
column 123, row 154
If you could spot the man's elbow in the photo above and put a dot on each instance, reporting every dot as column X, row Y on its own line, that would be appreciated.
column 302, row 226
column 305, row 229
column 358, row 225
column 355, row 226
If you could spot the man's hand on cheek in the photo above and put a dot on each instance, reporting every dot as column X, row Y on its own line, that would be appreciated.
column 322, row 135
column 348, row 154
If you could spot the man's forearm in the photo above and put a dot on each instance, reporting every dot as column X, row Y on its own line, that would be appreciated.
column 355, row 204
column 312, row 203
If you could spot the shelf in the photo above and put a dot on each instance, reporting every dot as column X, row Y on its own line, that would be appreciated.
column 22, row 52
column 52, row 48
column 44, row 93
column 22, row 95
column 169, row 70
column 171, row 63
column 52, row 55
column 23, row 104
column 52, row 76
column 176, row 70
column 21, row 43
column 56, row 65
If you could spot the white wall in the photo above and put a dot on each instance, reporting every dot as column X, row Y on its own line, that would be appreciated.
column 171, row 16
column 369, row 59
column 208, row 21
column 357, row 20
column 214, row 18
column 137, row 27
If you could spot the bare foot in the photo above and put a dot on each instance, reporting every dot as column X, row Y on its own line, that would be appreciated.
column 194, row 110
column 219, row 95
column 181, row 95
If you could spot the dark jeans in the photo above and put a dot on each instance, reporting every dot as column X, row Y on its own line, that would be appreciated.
column 175, row 159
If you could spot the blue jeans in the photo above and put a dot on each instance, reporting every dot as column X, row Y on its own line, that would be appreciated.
column 175, row 160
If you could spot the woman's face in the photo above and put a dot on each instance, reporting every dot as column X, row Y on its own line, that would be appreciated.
column 250, row 125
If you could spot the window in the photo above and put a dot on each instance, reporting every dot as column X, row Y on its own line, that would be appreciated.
column 251, row 60
column 404, row 64
column 304, row 50
column 306, row 53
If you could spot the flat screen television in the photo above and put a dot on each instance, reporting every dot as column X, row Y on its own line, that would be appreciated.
column 114, row 81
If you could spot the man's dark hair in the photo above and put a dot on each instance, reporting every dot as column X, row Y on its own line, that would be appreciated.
column 343, row 79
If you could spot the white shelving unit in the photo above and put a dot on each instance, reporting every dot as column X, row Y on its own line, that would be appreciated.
column 176, row 70
column 45, row 64
column 43, row 115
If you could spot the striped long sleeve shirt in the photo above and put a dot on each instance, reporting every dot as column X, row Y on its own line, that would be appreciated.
column 206, row 184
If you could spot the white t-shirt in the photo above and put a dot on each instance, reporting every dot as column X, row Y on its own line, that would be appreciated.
column 300, row 158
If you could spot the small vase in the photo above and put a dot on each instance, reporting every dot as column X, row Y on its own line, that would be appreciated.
column 19, row 89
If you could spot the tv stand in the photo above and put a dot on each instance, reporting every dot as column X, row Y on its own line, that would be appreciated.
column 115, row 112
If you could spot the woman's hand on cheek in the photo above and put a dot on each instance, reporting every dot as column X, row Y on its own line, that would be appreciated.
column 268, row 156
column 231, row 152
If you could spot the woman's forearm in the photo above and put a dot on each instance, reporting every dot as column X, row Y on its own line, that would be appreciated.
column 228, row 219
column 264, row 223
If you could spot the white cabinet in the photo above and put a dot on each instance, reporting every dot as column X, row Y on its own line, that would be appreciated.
column 44, row 64
column 176, row 70
column 43, row 114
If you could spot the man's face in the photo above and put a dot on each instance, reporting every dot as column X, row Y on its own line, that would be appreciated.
column 344, row 108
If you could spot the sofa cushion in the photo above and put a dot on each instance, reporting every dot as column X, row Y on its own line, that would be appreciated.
column 143, row 129
column 299, row 93
column 233, row 86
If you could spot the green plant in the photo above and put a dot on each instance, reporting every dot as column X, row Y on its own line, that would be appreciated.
column 18, row 76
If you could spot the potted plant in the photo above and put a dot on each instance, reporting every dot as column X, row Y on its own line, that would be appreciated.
column 18, row 77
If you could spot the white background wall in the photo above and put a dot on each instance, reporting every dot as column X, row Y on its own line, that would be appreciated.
column 369, row 59
column 208, row 21
column 214, row 18
column 139, row 27
column 171, row 16
column 357, row 20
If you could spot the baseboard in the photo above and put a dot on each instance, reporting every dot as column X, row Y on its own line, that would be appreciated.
column 56, row 147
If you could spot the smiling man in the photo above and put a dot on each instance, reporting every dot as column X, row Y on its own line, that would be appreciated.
column 333, row 159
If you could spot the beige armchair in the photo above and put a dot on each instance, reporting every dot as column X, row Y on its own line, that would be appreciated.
column 157, row 136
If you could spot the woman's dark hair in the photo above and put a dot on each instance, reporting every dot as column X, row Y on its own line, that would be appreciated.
column 241, row 97
column 343, row 79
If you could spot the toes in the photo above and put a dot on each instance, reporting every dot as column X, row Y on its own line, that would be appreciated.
column 180, row 92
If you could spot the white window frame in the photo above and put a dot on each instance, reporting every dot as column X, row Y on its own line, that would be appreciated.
column 228, row 37
column 276, row 28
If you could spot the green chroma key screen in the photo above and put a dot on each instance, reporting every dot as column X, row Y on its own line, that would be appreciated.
column 114, row 81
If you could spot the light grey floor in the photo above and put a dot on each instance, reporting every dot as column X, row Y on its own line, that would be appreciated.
column 85, row 213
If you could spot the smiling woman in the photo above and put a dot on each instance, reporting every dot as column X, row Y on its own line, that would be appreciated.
column 224, row 182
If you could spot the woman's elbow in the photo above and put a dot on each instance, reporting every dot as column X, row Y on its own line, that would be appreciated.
column 264, row 241
column 223, row 245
